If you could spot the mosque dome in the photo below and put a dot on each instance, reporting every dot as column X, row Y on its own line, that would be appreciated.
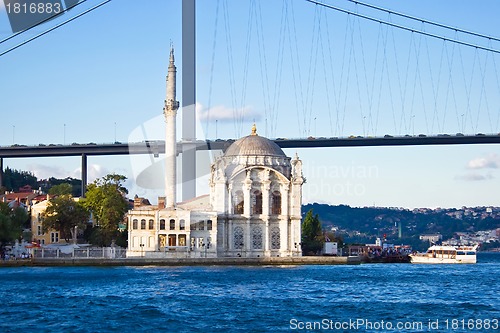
column 254, row 145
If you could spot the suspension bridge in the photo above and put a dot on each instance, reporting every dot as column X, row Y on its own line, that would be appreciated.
column 369, row 76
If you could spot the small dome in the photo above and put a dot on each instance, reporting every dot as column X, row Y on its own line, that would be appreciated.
column 254, row 145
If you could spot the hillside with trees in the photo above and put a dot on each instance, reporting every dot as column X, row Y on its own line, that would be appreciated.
column 364, row 225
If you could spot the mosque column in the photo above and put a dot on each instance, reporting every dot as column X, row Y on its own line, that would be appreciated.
column 266, row 237
column 266, row 188
column 230, row 235
column 229, row 203
column 284, row 191
column 247, row 187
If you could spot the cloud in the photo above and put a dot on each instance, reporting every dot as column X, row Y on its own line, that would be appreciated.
column 492, row 161
column 42, row 171
column 225, row 114
column 472, row 177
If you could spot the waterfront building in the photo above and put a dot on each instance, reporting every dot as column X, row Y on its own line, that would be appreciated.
column 253, row 208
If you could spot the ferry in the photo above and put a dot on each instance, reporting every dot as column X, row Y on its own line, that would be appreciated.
column 446, row 254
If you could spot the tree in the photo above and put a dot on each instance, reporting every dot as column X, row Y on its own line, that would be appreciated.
column 11, row 223
column 105, row 198
column 64, row 214
column 61, row 189
column 312, row 234
column 14, row 179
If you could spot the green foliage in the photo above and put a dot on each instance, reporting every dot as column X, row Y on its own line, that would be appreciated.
column 61, row 189
column 312, row 234
column 11, row 223
column 363, row 225
column 76, row 184
column 105, row 198
column 63, row 214
column 14, row 179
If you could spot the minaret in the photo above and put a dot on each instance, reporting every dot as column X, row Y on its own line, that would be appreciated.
column 170, row 112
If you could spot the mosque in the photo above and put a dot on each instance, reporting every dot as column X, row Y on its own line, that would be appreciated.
column 253, row 208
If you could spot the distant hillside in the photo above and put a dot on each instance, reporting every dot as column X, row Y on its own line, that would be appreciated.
column 367, row 223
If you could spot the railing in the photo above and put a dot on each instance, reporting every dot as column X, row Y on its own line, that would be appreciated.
column 89, row 252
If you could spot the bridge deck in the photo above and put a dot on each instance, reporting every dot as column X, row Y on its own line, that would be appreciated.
column 157, row 147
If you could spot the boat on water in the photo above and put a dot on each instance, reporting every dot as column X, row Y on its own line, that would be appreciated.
column 446, row 254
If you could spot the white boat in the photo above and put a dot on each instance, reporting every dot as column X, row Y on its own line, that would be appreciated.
column 446, row 254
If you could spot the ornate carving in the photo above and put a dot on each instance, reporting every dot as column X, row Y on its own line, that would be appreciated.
column 238, row 238
column 275, row 238
column 257, row 238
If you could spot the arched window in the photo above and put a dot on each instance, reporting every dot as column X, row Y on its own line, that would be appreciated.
column 238, row 238
column 276, row 203
column 257, row 202
column 135, row 224
column 143, row 224
column 172, row 224
column 275, row 238
column 209, row 224
column 257, row 238
column 151, row 224
column 182, row 225
column 162, row 224
column 239, row 202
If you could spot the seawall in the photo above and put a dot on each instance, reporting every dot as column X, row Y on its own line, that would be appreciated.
column 316, row 260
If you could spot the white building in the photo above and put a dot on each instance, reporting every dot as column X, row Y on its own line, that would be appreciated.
column 253, row 209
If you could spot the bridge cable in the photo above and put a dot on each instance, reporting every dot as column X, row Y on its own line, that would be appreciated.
column 329, row 104
column 498, row 87
column 54, row 28
column 400, row 86
column 403, row 27
column 468, row 89
column 426, row 21
column 483, row 74
column 43, row 21
column 279, row 70
column 357, row 75
column 230, row 67
column 435, row 90
column 212, row 67
column 296, row 52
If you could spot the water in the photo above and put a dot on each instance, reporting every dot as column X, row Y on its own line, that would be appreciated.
column 376, row 297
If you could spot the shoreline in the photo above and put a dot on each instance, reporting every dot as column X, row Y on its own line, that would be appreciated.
column 273, row 261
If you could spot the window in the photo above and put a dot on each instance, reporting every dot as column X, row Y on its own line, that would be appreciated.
column 172, row 240
column 257, row 202
column 172, row 224
column 239, row 202
column 162, row 224
column 182, row 240
column 54, row 237
column 162, row 240
column 275, row 238
column 276, row 203
column 201, row 225
column 257, row 238
column 134, row 224
column 193, row 226
column 39, row 230
column 238, row 238
column 151, row 224
column 143, row 224
column 182, row 225
column 209, row 224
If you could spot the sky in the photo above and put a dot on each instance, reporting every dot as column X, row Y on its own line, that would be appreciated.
column 293, row 68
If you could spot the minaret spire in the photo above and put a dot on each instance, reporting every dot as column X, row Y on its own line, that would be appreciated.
column 170, row 112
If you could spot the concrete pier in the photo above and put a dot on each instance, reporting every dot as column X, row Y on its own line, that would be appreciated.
column 274, row 261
